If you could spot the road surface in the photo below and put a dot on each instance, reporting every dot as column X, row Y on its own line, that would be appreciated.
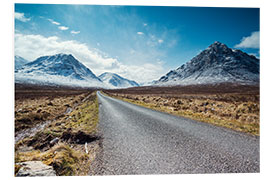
column 137, row 140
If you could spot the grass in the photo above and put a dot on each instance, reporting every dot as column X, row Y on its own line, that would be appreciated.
column 67, row 156
column 236, row 112
column 65, row 160
column 29, row 112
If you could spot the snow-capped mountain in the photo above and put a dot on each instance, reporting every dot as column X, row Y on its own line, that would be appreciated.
column 216, row 64
column 60, row 69
column 19, row 62
column 116, row 81
column 151, row 83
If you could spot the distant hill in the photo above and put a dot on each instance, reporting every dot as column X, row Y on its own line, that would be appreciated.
column 117, row 81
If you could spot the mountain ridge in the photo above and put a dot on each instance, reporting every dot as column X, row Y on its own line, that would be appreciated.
column 216, row 64
column 116, row 80
column 62, row 69
column 19, row 62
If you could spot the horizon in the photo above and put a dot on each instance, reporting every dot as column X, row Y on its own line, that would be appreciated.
column 135, row 42
column 97, row 75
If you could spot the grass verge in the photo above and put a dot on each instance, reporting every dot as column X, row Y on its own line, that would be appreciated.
column 68, row 143
column 240, row 114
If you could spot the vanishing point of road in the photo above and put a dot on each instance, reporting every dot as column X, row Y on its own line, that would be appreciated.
column 137, row 140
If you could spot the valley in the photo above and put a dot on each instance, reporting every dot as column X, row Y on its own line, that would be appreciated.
column 101, row 89
column 78, row 123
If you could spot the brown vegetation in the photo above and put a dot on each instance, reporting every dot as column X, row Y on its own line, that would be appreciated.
column 228, row 105
column 69, row 140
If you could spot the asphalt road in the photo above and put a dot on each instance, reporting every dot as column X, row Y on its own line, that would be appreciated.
column 138, row 140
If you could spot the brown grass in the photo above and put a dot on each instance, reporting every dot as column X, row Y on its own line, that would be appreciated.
column 65, row 160
column 70, row 131
column 239, row 110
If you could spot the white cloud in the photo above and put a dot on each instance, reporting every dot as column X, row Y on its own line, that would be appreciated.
column 63, row 28
column 160, row 41
column 145, row 24
column 74, row 32
column 140, row 33
column 21, row 17
column 154, row 41
column 54, row 22
column 252, row 41
column 33, row 46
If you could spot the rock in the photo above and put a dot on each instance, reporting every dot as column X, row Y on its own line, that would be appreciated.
column 35, row 168
column 54, row 141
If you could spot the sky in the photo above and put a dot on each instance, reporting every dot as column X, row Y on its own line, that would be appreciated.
column 141, row 43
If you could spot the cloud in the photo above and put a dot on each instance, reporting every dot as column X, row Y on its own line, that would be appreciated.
column 154, row 41
column 252, row 41
column 21, row 17
column 63, row 28
column 140, row 33
column 74, row 32
column 145, row 24
column 160, row 41
column 54, row 22
column 33, row 46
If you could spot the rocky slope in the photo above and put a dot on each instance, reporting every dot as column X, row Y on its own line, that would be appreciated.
column 216, row 64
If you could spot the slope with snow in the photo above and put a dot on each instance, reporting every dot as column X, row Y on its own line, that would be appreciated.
column 216, row 64
column 19, row 62
column 116, row 81
column 59, row 69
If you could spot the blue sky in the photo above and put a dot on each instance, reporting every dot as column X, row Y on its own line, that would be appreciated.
column 138, row 42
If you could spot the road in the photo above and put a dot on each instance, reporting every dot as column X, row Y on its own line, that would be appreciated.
column 137, row 140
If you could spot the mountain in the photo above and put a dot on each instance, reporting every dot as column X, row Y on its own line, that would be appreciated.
column 216, row 64
column 116, row 81
column 60, row 69
column 151, row 83
column 19, row 62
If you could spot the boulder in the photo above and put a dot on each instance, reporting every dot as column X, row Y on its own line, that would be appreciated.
column 35, row 168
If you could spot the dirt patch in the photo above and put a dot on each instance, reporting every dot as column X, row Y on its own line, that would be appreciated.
column 79, row 137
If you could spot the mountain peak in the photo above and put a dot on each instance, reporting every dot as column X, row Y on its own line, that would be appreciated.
column 116, row 81
column 218, row 63
column 63, row 56
column 59, row 66
column 218, row 43
column 218, row 47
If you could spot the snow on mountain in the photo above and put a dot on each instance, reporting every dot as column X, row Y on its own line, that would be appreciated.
column 59, row 69
column 216, row 64
column 19, row 62
column 116, row 81
column 151, row 83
